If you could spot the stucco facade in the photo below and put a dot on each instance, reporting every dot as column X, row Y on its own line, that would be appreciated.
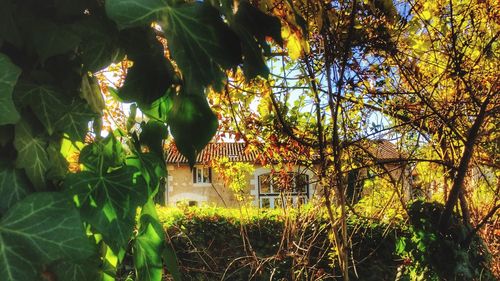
column 261, row 189
column 180, row 187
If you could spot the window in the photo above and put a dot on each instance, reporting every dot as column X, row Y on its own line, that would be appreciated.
column 292, row 188
column 301, row 185
column 202, row 174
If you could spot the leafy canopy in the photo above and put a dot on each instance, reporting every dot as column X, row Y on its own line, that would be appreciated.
column 77, row 225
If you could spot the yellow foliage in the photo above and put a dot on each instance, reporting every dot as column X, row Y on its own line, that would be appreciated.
column 234, row 175
column 294, row 42
column 426, row 15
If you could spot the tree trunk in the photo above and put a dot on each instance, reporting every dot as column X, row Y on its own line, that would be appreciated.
column 458, row 183
column 465, row 208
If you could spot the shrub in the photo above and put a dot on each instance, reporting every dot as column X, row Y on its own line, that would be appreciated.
column 225, row 244
column 431, row 255
column 251, row 244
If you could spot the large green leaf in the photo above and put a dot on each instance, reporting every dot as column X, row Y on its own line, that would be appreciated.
column 147, row 80
column 253, row 26
column 9, row 73
column 148, row 245
column 14, row 186
column 74, row 122
column 192, row 123
column 151, row 75
column 159, row 109
column 128, row 13
column 42, row 228
column 200, row 43
column 152, row 134
column 58, row 164
column 50, row 39
column 91, row 92
column 47, row 103
column 87, row 270
column 14, row 264
column 108, row 201
column 141, row 43
column 32, row 154
column 152, row 167
column 101, row 155
column 57, row 113
column 99, row 46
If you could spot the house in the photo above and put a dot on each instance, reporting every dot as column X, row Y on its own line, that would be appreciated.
column 379, row 158
column 202, row 185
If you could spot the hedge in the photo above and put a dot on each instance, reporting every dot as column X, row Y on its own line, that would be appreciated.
column 251, row 244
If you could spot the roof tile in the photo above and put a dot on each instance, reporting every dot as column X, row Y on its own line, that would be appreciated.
column 382, row 150
column 235, row 151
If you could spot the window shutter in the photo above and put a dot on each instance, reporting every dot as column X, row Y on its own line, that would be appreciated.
column 194, row 174
column 210, row 174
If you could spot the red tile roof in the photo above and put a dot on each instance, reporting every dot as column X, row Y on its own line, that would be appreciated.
column 382, row 150
column 235, row 151
column 385, row 150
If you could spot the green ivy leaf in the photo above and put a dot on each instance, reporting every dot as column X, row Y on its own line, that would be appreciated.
column 42, row 228
column 50, row 39
column 87, row 270
column 14, row 186
column 200, row 43
column 159, row 109
column 129, row 13
column 108, row 201
column 32, row 154
column 47, row 103
column 400, row 246
column 99, row 156
column 253, row 26
column 152, row 74
column 75, row 120
column 152, row 134
column 152, row 167
column 9, row 73
column 55, row 111
column 148, row 245
column 192, row 124
column 58, row 164
column 91, row 92
column 14, row 266
column 99, row 47
column 147, row 80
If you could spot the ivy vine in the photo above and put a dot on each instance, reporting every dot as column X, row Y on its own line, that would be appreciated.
column 62, row 225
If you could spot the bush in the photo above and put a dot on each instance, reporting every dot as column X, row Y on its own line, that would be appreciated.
column 252, row 244
column 224, row 244
column 431, row 255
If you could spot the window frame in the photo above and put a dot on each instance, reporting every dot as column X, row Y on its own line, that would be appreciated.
column 275, row 196
column 202, row 175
